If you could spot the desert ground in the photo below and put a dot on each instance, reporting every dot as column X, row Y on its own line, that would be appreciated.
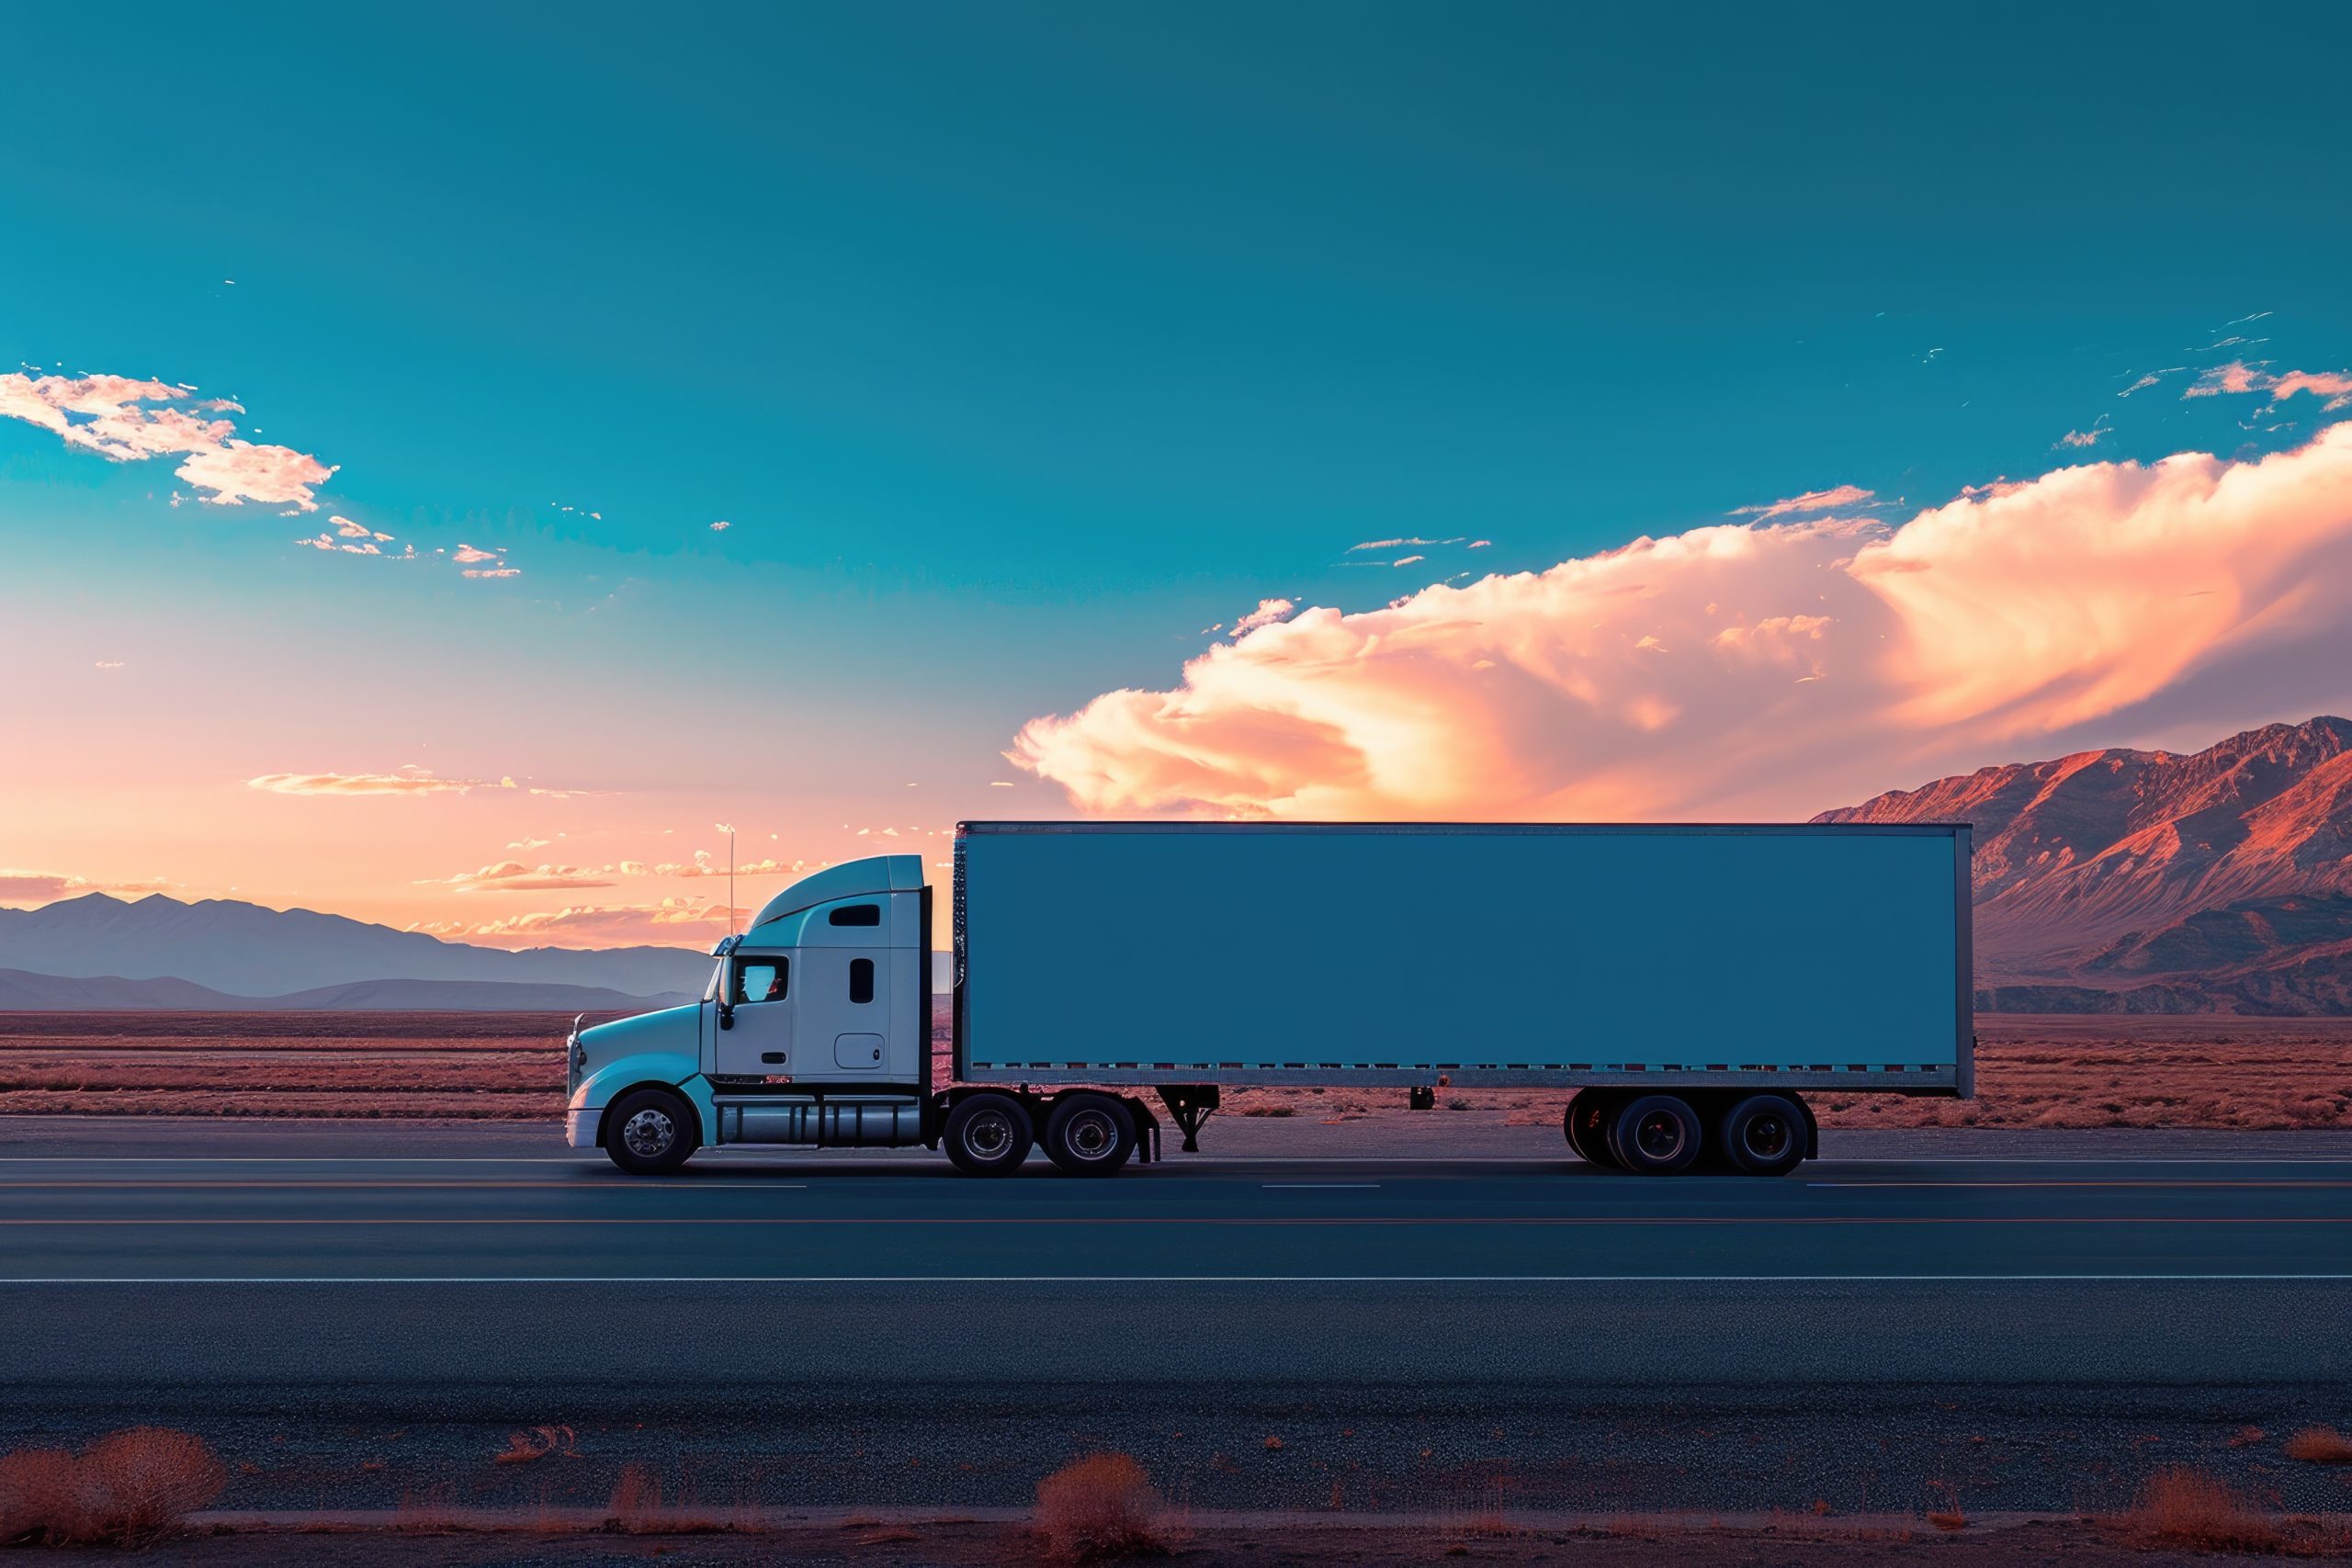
column 2065, row 1071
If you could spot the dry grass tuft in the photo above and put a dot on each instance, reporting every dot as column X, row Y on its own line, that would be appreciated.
column 1102, row 1507
column 2320, row 1445
column 537, row 1443
column 1948, row 1516
column 2179, row 1506
column 39, row 1500
column 130, row 1488
column 137, row 1485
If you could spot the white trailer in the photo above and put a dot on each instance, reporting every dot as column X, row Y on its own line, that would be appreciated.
column 1684, row 986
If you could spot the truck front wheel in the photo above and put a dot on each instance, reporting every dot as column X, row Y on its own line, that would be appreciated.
column 1090, row 1135
column 987, row 1134
column 650, row 1131
column 1658, row 1135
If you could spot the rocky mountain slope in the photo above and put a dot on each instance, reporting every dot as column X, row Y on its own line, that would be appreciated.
column 2159, row 881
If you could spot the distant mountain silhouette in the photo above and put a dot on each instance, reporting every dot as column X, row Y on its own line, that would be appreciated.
column 24, row 992
column 2157, row 880
column 247, row 951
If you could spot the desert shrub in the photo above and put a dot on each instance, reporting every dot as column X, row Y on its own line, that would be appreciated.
column 38, row 1499
column 130, row 1488
column 2179, row 1506
column 136, row 1487
column 1099, row 1507
column 2320, row 1445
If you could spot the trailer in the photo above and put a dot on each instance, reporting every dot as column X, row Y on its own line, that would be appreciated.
column 1684, row 986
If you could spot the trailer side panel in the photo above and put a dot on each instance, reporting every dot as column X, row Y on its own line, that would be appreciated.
column 1808, row 956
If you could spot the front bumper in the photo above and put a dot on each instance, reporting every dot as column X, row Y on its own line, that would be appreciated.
column 580, row 1127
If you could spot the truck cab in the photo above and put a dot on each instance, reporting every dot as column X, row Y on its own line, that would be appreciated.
column 817, row 1020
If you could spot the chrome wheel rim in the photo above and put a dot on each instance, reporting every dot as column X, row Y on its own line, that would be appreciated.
column 989, row 1134
column 1658, row 1136
column 648, row 1134
column 1766, row 1137
column 1089, row 1135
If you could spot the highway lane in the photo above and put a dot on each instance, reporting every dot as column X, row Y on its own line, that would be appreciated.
column 105, row 1217
column 1709, row 1341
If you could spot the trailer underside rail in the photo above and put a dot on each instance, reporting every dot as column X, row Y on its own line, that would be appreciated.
column 1191, row 1104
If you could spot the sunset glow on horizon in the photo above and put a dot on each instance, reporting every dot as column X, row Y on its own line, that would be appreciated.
column 452, row 529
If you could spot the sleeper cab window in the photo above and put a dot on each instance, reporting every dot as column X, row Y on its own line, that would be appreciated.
column 855, row 915
column 762, row 979
column 861, row 979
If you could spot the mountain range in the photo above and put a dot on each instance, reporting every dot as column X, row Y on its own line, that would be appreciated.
column 2112, row 881
column 2128, row 881
column 259, row 957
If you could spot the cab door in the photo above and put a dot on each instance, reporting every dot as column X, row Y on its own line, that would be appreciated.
column 844, row 992
column 755, row 1032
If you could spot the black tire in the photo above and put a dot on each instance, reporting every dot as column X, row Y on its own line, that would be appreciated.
column 987, row 1134
column 651, row 1131
column 1764, row 1134
column 1090, row 1135
column 1586, row 1122
column 1658, row 1135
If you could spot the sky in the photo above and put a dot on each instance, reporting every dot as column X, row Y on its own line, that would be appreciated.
column 451, row 463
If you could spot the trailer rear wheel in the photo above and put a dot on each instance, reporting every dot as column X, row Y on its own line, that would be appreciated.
column 1658, row 1135
column 650, row 1131
column 1090, row 1135
column 987, row 1134
column 1586, row 1122
column 1764, row 1134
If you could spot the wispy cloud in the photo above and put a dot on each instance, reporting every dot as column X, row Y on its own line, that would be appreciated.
column 1268, row 612
column 130, row 419
column 514, row 876
column 18, row 887
column 2332, row 386
column 408, row 780
column 1766, row 670
column 1810, row 500
column 670, row 921
column 1401, row 544
column 493, row 571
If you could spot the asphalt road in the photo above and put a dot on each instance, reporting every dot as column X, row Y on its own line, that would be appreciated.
column 1882, row 1316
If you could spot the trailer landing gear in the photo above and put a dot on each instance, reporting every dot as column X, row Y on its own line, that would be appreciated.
column 1192, row 1105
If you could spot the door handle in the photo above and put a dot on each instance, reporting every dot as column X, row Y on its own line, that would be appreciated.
column 773, row 1057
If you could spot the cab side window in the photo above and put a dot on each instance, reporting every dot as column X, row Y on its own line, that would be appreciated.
column 762, row 980
column 861, row 980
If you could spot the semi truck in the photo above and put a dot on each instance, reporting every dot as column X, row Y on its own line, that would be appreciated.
column 1683, row 989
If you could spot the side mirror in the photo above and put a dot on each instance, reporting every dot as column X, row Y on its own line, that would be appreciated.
column 726, row 1015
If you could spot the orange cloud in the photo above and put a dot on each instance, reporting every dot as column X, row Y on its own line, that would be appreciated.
column 111, row 415
column 1810, row 500
column 1764, row 669
column 669, row 922
column 47, row 887
column 514, row 876
column 2334, row 388
column 408, row 780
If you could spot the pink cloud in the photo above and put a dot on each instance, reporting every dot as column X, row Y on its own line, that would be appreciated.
column 1268, row 612
column 46, row 887
column 514, row 876
column 493, row 571
column 1764, row 670
column 466, row 554
column 2334, row 387
column 130, row 419
column 671, row 921
column 1810, row 500
column 2083, row 437
column 408, row 780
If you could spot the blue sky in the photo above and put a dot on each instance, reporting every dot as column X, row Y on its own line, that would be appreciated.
column 1019, row 344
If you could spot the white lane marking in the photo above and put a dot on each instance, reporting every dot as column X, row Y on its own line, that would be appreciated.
column 1168, row 1279
column 1318, row 1186
column 1195, row 1162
